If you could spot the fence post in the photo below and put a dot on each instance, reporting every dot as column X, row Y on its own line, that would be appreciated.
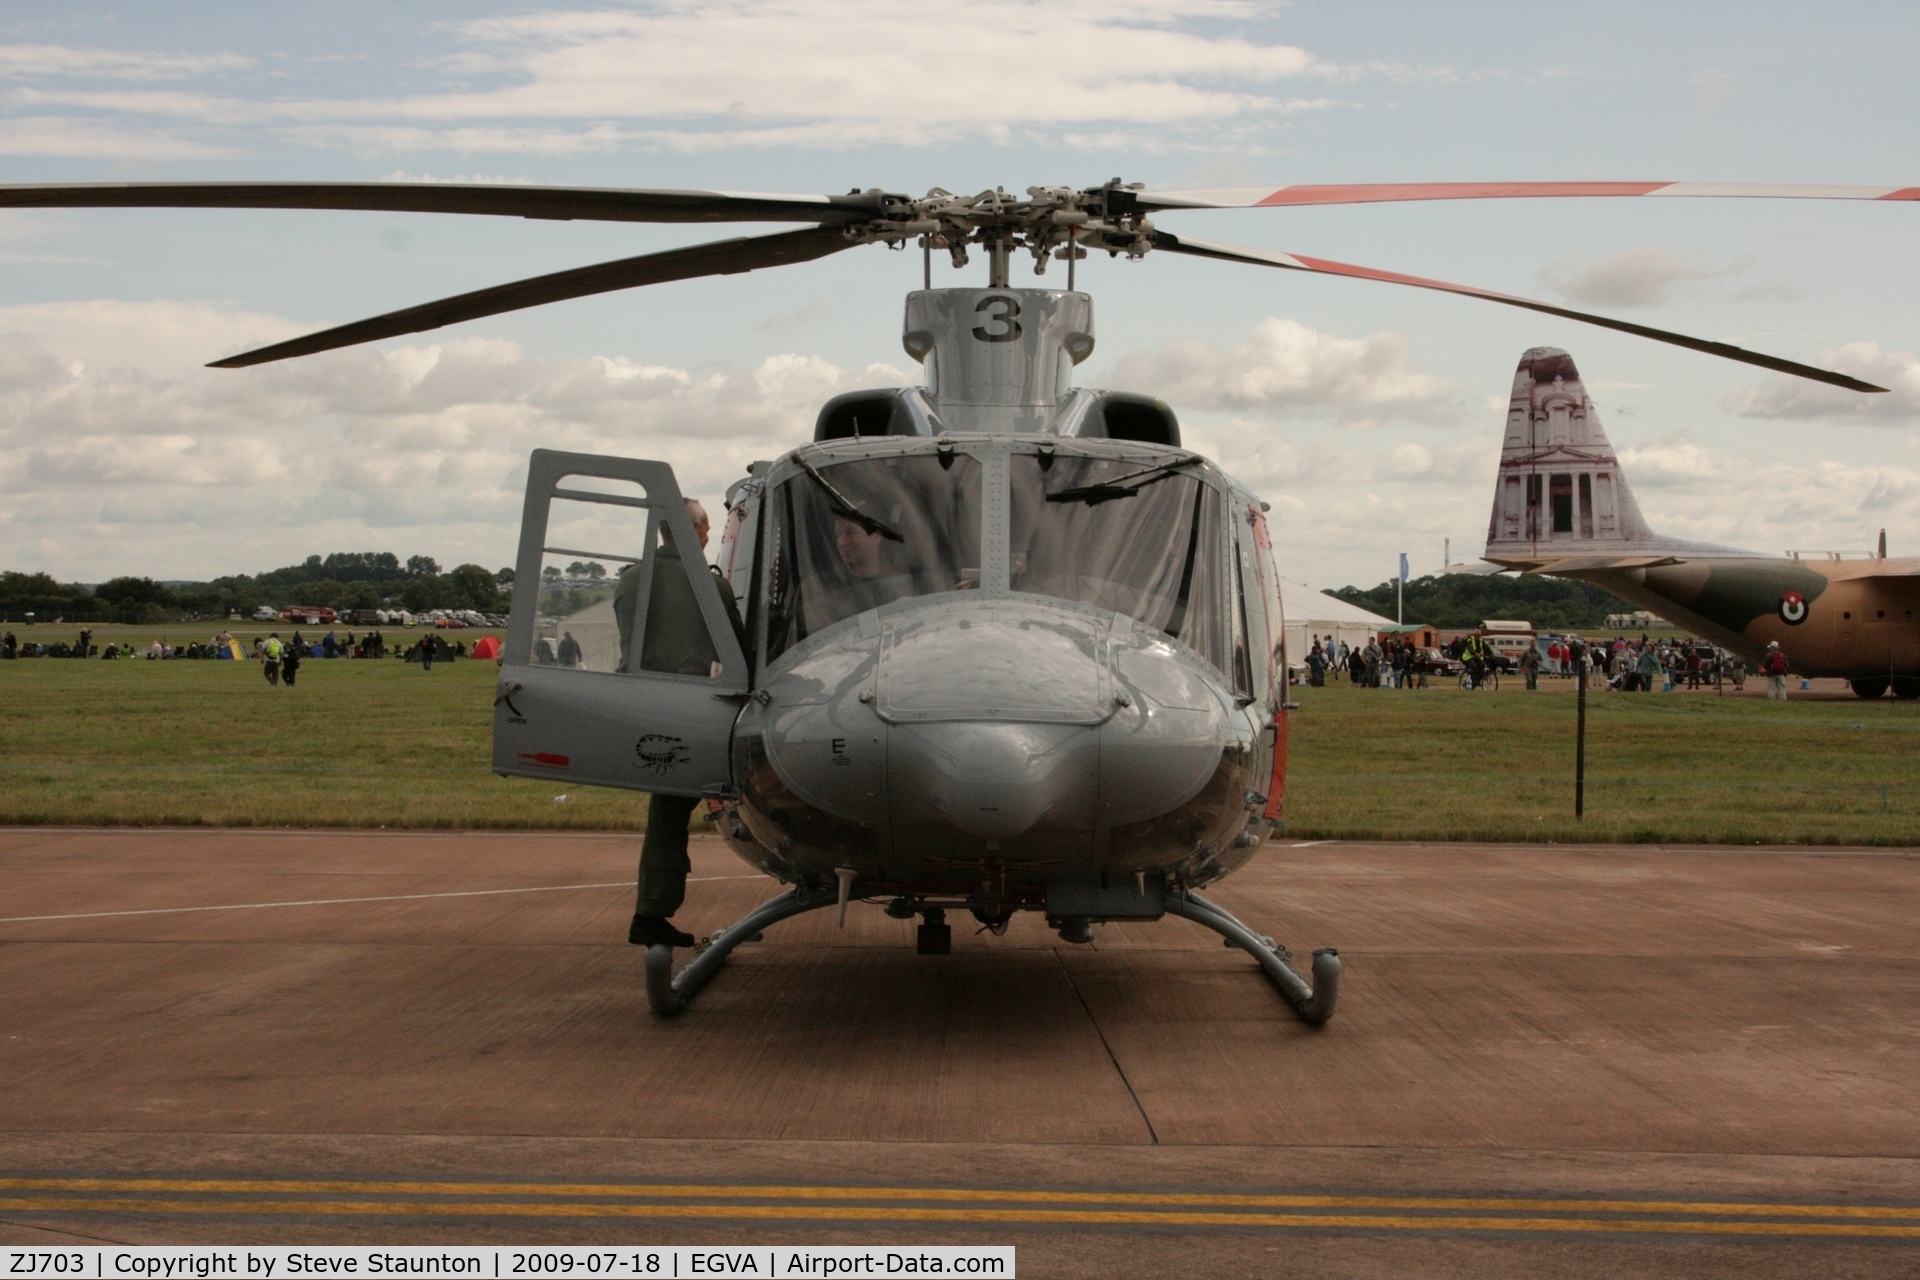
column 1580, row 731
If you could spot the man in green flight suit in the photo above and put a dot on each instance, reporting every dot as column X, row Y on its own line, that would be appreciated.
column 677, row 641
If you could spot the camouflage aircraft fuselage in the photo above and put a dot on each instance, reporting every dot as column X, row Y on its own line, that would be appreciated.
column 1849, row 618
column 1562, row 506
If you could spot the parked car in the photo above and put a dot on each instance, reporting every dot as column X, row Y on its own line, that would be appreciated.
column 1434, row 663
column 1718, row 664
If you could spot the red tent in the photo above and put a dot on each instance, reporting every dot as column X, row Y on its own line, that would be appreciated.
column 489, row 647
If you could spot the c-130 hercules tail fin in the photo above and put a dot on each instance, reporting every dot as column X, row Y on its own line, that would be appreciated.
column 1560, row 500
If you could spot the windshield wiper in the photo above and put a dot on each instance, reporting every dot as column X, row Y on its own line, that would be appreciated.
column 1107, row 490
column 843, row 506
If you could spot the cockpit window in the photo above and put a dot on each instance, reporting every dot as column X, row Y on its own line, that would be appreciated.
column 1141, row 539
column 852, row 536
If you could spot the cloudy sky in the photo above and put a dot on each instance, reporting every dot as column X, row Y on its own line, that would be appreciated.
column 1370, row 415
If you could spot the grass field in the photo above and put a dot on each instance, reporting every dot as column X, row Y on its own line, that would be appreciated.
column 386, row 744
column 1442, row 764
column 355, row 743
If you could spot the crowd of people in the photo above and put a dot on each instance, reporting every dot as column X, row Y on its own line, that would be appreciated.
column 1388, row 662
column 1395, row 662
column 1632, row 666
column 11, row 646
column 285, row 655
column 280, row 659
column 372, row 645
column 1392, row 661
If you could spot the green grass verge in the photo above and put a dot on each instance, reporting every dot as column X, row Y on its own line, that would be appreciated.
column 370, row 744
column 1442, row 764
column 364, row 743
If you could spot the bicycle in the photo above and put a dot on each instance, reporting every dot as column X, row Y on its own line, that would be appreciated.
column 1489, row 679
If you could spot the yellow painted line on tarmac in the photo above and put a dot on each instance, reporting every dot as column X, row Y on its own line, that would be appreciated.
column 687, row 1191
column 1001, row 1216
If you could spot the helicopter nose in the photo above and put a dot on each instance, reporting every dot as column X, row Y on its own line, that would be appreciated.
column 988, row 720
column 997, row 781
column 993, row 713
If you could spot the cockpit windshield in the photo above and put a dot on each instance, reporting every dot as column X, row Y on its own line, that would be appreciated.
column 1140, row 539
column 852, row 536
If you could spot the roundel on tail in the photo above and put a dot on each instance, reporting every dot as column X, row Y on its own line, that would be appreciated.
column 1793, row 608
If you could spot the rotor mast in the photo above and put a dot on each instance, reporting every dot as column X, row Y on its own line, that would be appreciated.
column 1001, row 358
column 999, row 251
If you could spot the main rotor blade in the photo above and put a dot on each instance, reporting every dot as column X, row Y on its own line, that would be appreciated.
column 598, row 204
column 1322, row 266
column 719, row 257
column 1379, row 192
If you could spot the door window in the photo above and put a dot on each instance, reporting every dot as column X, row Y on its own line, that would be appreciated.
column 590, row 544
column 610, row 571
column 1242, row 644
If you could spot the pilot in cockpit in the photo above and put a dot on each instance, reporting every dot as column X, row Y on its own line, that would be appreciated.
column 861, row 552
column 866, row 571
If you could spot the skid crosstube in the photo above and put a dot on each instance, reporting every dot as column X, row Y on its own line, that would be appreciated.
column 669, row 992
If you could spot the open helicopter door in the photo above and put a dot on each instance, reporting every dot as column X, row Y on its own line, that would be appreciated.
column 621, row 667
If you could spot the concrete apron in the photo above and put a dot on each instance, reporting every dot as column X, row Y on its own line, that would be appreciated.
column 1602, row 1028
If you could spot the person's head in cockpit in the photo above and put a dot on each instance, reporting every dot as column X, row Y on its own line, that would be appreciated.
column 859, row 550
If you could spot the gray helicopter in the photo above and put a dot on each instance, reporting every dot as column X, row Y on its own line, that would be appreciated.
column 1009, row 648
column 1008, row 645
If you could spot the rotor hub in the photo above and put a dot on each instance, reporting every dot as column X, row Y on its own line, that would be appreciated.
column 1050, row 222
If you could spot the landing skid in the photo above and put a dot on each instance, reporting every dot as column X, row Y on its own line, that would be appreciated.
column 669, row 992
column 1313, row 1002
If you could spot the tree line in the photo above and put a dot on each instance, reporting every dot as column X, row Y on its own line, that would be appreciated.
column 1459, row 600
column 381, row 580
column 342, row 580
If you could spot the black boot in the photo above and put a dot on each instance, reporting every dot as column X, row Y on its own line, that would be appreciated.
column 652, row 931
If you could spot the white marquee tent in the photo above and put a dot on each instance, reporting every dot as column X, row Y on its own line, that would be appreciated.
column 1311, row 613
